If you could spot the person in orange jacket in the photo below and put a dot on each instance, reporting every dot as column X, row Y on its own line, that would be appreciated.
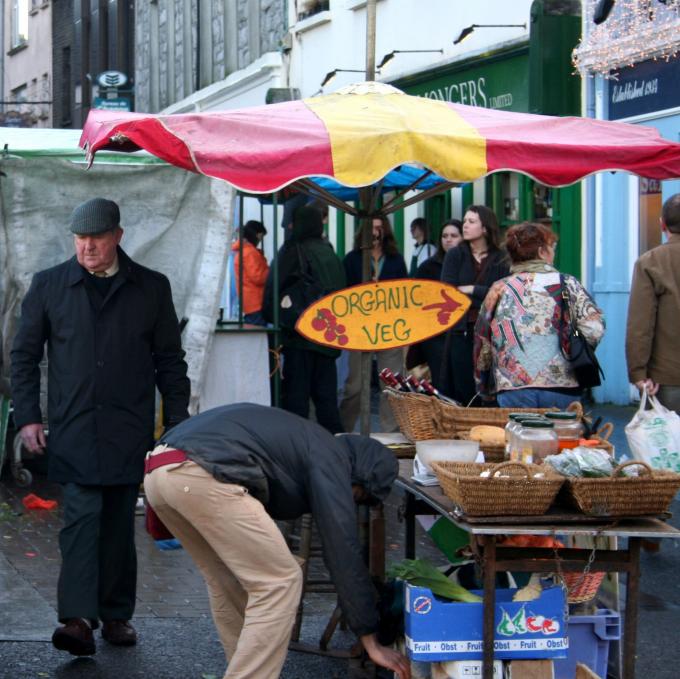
column 255, row 270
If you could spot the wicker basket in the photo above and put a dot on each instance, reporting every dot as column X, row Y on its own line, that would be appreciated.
column 493, row 452
column 414, row 414
column 582, row 587
column 602, row 435
column 648, row 494
column 454, row 418
column 520, row 494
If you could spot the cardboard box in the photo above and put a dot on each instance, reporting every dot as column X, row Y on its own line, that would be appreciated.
column 529, row 669
column 438, row 629
column 464, row 669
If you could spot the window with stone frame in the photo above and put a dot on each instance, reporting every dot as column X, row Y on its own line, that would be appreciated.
column 20, row 94
column 19, row 23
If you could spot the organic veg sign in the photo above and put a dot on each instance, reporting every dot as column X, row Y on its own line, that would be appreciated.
column 383, row 315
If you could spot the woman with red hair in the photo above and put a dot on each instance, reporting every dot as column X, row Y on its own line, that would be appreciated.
column 519, row 333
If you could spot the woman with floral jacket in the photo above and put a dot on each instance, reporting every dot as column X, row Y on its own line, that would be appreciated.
column 519, row 334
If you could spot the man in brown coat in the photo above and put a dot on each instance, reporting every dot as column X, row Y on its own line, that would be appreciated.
column 652, row 337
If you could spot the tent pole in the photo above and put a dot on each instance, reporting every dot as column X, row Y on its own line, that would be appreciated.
column 427, row 193
column 308, row 187
column 410, row 187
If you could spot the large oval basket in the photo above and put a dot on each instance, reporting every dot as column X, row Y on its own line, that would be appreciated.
column 648, row 494
column 515, row 493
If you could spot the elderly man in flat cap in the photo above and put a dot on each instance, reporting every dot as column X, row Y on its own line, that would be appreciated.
column 112, row 336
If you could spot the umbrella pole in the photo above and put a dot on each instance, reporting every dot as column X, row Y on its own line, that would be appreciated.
column 365, row 200
column 366, row 357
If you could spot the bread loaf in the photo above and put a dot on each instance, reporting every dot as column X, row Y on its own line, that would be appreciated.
column 485, row 434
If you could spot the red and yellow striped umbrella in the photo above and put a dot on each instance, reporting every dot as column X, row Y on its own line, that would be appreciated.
column 357, row 135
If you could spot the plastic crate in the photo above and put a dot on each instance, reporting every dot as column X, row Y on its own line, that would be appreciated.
column 589, row 637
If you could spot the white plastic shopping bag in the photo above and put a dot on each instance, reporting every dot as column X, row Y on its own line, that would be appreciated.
column 654, row 435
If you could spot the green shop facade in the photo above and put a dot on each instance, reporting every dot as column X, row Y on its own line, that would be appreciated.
column 531, row 77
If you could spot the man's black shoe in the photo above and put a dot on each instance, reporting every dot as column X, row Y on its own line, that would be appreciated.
column 119, row 632
column 75, row 637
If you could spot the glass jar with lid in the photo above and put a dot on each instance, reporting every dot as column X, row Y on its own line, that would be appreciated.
column 510, row 429
column 536, row 440
column 568, row 428
column 514, row 427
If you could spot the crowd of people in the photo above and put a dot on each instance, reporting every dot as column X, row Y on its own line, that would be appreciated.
column 220, row 478
column 509, row 349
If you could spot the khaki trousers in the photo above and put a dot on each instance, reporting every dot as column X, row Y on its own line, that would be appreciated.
column 254, row 583
column 351, row 398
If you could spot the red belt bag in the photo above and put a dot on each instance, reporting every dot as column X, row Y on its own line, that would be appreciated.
column 154, row 526
column 161, row 459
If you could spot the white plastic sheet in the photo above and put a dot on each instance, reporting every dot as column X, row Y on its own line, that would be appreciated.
column 175, row 222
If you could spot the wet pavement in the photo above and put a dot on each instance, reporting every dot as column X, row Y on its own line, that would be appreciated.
column 177, row 639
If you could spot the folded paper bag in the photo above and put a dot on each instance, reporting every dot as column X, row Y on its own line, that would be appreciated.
column 32, row 501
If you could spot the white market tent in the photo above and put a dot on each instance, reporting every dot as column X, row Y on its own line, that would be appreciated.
column 175, row 221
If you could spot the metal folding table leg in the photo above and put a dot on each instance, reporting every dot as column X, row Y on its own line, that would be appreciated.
column 410, row 527
column 631, row 613
column 489, row 564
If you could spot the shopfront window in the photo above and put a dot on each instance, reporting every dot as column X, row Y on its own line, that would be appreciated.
column 650, row 210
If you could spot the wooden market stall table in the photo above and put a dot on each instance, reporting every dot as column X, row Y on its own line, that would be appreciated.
column 431, row 499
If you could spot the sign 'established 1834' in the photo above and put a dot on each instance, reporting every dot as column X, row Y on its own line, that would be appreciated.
column 646, row 87
column 383, row 315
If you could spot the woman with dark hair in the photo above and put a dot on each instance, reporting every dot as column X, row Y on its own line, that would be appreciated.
column 431, row 351
column 386, row 260
column 386, row 264
column 473, row 266
column 255, row 270
column 451, row 235
column 519, row 333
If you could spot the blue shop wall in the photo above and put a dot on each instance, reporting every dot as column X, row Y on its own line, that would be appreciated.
column 610, row 272
column 608, row 255
column 669, row 128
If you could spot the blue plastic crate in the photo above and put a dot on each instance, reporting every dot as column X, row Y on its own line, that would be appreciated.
column 589, row 637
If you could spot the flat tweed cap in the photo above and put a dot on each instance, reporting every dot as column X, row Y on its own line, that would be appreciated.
column 94, row 216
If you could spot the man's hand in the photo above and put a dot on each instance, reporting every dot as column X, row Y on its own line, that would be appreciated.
column 33, row 438
column 386, row 657
column 652, row 387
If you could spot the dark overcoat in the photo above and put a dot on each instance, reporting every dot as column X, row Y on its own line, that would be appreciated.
column 104, row 362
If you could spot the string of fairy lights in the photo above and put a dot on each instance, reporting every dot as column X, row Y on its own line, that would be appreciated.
column 635, row 31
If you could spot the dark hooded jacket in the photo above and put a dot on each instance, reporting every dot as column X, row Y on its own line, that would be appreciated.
column 326, row 267
column 294, row 466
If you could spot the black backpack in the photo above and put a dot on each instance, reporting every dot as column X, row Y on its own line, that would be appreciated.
column 299, row 291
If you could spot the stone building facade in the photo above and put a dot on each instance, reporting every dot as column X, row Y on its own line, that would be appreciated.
column 184, row 46
column 26, row 66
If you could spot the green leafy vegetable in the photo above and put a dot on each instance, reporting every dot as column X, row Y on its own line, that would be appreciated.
column 423, row 574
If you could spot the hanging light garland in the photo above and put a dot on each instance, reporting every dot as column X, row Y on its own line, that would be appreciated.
column 635, row 31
